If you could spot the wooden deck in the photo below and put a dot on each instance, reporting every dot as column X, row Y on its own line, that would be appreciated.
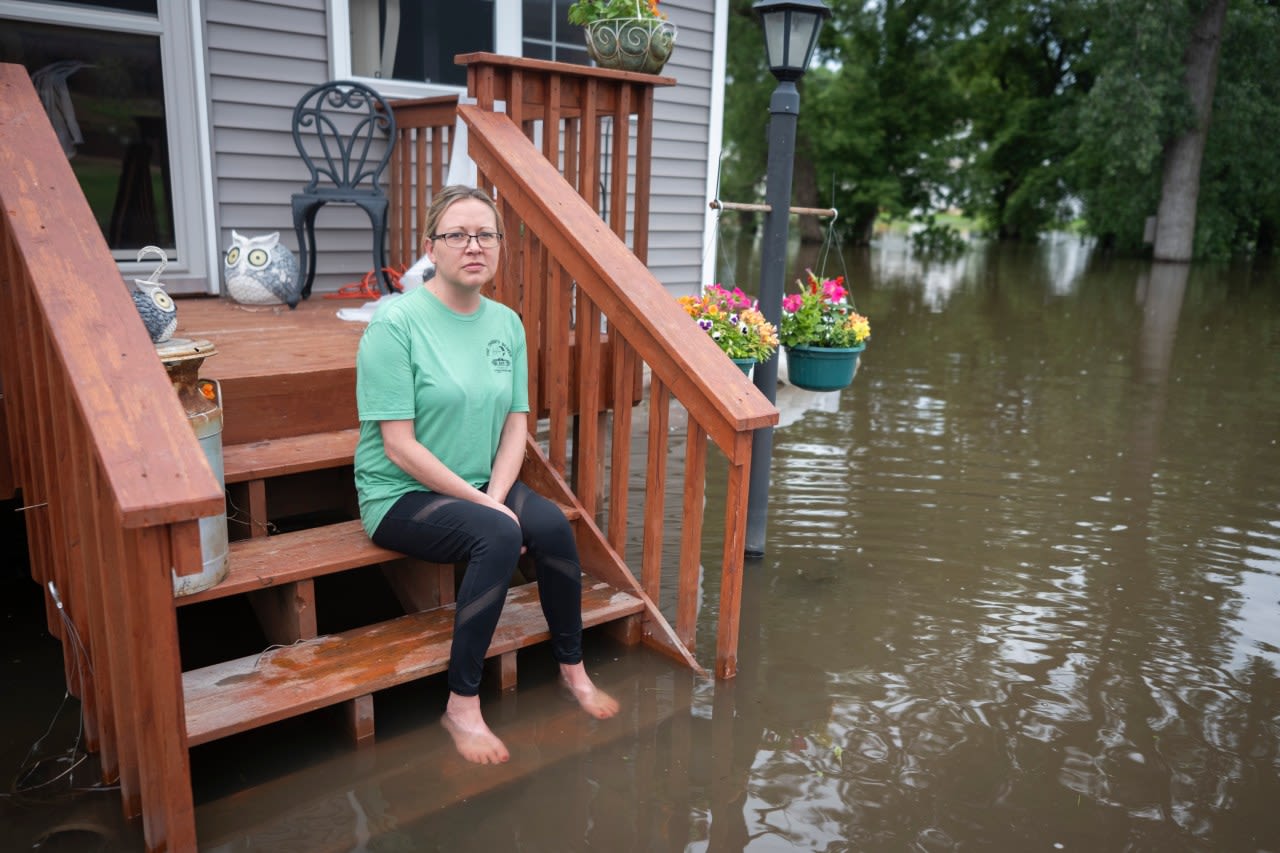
column 263, row 354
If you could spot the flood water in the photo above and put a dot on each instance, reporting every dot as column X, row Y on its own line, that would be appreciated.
column 1022, row 592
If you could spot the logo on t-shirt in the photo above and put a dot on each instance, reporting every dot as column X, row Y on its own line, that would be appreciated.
column 499, row 356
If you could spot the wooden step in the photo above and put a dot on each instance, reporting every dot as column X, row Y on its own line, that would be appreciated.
column 255, row 564
column 260, row 460
column 253, row 691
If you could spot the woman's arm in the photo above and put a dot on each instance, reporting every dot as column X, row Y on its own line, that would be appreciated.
column 412, row 457
column 510, row 455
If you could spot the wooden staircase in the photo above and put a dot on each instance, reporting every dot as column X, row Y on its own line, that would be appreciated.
column 304, row 671
column 115, row 483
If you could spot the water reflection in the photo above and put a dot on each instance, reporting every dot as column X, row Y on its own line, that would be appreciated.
column 1020, row 593
column 1042, row 633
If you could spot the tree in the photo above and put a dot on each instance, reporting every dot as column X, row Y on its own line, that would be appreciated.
column 879, row 110
column 1030, row 112
column 1020, row 73
column 1180, row 186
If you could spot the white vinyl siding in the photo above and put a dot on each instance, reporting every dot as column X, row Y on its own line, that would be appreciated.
column 681, row 150
column 262, row 57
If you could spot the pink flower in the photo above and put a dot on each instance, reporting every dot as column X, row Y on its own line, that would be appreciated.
column 791, row 302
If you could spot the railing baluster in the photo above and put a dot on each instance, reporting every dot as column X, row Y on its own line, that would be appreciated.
column 735, row 527
column 644, row 172
column 618, row 168
column 51, row 515
column 559, row 297
column 38, row 514
column 115, row 728
column 655, row 489
column 122, row 665
column 401, row 188
column 531, row 277
column 589, row 148
column 586, row 442
column 695, row 480
column 620, row 442
column 66, row 513
column 90, row 514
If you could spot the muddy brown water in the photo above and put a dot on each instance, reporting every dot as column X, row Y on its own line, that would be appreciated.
column 1022, row 592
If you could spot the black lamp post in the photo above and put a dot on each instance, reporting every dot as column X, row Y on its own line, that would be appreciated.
column 790, row 36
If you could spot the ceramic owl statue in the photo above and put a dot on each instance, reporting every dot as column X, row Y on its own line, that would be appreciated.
column 260, row 271
column 159, row 313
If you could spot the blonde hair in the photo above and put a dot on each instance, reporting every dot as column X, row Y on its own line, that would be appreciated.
column 446, row 197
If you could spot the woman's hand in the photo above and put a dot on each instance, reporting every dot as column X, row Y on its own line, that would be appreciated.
column 501, row 507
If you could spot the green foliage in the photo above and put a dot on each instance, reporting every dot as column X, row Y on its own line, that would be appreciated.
column 1239, row 209
column 938, row 238
column 1019, row 73
column 1023, row 113
column 1136, row 104
column 583, row 12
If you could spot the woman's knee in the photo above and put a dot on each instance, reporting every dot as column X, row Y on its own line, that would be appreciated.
column 503, row 537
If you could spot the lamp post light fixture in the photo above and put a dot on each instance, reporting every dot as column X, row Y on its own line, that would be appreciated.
column 790, row 35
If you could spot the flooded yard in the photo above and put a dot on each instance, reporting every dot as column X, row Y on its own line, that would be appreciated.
column 1021, row 592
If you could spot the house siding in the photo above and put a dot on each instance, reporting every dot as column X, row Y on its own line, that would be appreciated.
column 681, row 146
column 262, row 56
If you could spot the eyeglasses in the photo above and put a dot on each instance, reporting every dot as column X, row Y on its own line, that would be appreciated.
column 461, row 239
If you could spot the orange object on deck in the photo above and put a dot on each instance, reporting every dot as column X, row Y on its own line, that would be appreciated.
column 367, row 286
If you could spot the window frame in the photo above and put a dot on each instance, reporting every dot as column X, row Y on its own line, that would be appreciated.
column 508, row 40
column 186, row 122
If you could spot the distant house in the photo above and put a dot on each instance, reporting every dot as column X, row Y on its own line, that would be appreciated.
column 176, row 113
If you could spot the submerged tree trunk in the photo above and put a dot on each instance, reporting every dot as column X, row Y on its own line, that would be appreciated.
column 1180, row 189
column 805, row 194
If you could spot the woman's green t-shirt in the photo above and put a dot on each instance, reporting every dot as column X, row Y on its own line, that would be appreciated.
column 456, row 376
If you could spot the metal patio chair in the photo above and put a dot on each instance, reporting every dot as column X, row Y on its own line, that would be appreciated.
column 344, row 132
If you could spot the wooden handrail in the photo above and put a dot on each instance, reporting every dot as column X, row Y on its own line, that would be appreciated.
column 107, row 461
column 548, row 69
column 695, row 370
column 153, row 462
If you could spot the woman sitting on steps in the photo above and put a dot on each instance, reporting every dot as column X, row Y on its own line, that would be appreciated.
column 443, row 397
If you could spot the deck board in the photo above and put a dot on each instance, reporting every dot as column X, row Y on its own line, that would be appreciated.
column 267, row 561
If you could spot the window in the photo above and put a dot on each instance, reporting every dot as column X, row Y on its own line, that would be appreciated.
column 549, row 35
column 404, row 45
column 117, row 82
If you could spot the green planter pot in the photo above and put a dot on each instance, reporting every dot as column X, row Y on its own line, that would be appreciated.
column 822, row 368
column 744, row 364
column 631, row 44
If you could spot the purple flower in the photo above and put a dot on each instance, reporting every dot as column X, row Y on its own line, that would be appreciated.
column 704, row 324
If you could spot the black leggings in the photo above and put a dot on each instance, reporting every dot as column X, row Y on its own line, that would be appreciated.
column 441, row 529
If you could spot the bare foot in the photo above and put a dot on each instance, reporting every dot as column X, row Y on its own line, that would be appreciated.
column 471, row 735
column 593, row 700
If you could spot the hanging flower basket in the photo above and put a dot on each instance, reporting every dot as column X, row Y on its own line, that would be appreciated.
column 822, row 368
column 734, row 322
column 631, row 44
column 823, row 335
